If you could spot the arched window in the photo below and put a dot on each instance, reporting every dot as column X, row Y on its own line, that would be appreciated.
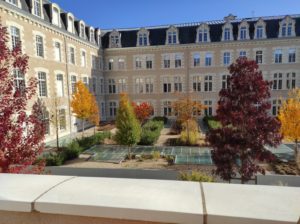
column 98, row 37
column 70, row 23
column 172, row 36
column 82, row 29
column 92, row 35
column 203, row 34
column 143, row 37
column 55, row 16
column 287, row 27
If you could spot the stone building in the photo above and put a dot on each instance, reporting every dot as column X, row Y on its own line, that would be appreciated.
column 153, row 64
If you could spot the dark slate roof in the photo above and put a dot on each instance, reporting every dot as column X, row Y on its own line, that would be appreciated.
column 26, row 7
column 187, row 32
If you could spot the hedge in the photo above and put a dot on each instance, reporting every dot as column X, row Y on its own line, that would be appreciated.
column 73, row 150
column 151, row 132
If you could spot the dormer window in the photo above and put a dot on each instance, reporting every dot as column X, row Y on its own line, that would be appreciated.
column 243, row 31
column 259, row 32
column 98, row 37
column 143, row 37
column 227, row 35
column 172, row 35
column 260, row 29
column 37, row 8
column 92, row 35
column 227, row 32
column 227, row 28
column 82, row 30
column 70, row 24
column 203, row 33
column 287, row 27
column 55, row 16
column 115, row 39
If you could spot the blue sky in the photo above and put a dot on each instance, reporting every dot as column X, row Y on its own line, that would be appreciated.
column 138, row 13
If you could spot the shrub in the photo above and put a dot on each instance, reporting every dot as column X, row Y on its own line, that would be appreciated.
column 163, row 119
column 176, row 127
column 54, row 159
column 156, row 155
column 195, row 176
column 170, row 159
column 211, row 122
column 88, row 142
column 189, row 135
column 150, row 132
column 72, row 151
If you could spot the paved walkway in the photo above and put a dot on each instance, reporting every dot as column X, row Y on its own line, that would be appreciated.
column 164, row 136
column 68, row 138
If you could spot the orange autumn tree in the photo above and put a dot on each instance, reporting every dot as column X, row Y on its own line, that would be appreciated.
column 289, row 116
column 81, row 103
column 94, row 116
column 142, row 111
column 187, row 110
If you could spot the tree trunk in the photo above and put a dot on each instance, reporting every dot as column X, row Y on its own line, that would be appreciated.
column 82, row 127
column 57, row 139
column 56, row 129
column 297, row 155
column 188, row 132
column 129, row 152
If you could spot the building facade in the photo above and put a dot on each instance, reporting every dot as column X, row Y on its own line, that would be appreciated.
column 152, row 64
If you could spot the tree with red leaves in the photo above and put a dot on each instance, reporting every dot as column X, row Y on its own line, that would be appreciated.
column 142, row 111
column 246, row 126
column 21, row 135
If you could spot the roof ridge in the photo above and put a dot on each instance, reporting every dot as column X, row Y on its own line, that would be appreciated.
column 209, row 22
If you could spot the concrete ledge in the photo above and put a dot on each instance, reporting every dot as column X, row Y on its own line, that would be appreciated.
column 18, row 192
column 66, row 199
column 235, row 204
column 147, row 200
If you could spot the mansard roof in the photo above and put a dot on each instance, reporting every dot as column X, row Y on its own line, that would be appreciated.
column 188, row 31
column 26, row 6
column 157, row 34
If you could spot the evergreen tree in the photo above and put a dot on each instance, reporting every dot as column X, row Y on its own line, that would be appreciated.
column 129, row 128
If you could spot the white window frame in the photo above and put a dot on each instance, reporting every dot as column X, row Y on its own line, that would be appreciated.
column 287, row 27
column 227, row 30
column 243, row 26
column 37, row 8
column 172, row 36
column 203, row 35
column 82, row 33
column 142, row 38
column 54, row 22
column 260, row 24
column 70, row 23
column 115, row 39
column 39, row 43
